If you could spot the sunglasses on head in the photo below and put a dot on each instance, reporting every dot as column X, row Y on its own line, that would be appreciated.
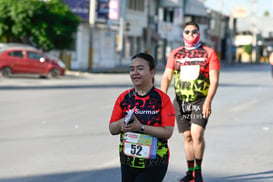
column 193, row 31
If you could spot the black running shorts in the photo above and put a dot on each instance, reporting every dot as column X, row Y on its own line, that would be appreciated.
column 189, row 112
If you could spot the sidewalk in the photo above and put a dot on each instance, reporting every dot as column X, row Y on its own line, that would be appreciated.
column 160, row 69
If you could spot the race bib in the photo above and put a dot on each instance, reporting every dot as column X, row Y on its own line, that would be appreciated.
column 139, row 145
column 189, row 72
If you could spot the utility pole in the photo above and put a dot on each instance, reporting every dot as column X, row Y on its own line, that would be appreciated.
column 254, row 32
column 230, row 39
column 120, row 47
column 122, row 21
column 148, row 31
column 220, row 29
column 92, row 17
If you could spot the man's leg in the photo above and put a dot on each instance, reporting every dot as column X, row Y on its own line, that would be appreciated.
column 188, row 146
column 198, row 149
column 197, row 134
column 184, row 125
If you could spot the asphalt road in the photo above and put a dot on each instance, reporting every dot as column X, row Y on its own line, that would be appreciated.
column 57, row 130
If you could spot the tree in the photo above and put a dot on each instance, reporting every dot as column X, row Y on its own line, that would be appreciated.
column 266, row 14
column 248, row 49
column 45, row 25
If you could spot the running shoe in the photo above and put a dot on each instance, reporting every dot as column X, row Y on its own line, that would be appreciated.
column 187, row 178
column 198, row 176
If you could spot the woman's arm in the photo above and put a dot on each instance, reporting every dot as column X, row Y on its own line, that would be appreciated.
column 115, row 127
column 160, row 132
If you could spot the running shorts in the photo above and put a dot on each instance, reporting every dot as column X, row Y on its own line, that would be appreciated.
column 189, row 112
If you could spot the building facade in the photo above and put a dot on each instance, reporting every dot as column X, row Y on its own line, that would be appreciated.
column 115, row 30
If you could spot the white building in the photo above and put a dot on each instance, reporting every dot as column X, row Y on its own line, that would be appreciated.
column 139, row 26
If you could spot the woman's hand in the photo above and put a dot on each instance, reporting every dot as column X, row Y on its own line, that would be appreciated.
column 135, row 125
column 157, row 131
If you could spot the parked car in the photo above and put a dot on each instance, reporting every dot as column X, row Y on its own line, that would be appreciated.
column 22, row 59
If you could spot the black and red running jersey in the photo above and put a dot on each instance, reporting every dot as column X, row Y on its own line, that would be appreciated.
column 153, row 109
column 191, row 71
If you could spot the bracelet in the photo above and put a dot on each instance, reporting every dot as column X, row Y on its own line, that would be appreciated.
column 142, row 128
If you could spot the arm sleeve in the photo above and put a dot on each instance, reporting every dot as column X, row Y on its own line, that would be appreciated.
column 167, row 112
column 117, row 111
column 170, row 61
column 214, row 61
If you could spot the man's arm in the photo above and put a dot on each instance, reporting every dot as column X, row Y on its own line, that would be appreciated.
column 214, row 79
column 166, row 79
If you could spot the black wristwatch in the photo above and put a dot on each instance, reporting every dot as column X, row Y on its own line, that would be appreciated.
column 142, row 128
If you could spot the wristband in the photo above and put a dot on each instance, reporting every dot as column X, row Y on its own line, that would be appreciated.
column 142, row 128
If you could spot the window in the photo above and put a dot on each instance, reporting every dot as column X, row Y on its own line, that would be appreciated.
column 16, row 54
column 168, row 15
column 136, row 5
column 33, row 55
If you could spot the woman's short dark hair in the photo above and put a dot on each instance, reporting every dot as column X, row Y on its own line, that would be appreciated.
column 191, row 23
column 147, row 57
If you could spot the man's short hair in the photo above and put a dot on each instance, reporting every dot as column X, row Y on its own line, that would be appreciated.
column 192, row 23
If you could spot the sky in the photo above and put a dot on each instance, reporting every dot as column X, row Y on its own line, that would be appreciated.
column 228, row 5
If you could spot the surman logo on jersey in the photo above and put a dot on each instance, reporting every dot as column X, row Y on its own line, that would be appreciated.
column 187, row 59
column 146, row 111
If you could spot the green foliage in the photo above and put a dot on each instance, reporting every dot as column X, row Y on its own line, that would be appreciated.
column 266, row 14
column 46, row 25
column 248, row 49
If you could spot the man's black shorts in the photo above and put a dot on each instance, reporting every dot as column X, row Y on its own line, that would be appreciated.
column 189, row 112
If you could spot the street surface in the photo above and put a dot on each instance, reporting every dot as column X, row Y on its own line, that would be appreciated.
column 57, row 130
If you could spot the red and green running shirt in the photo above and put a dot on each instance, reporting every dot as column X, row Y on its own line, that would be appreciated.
column 153, row 109
column 191, row 71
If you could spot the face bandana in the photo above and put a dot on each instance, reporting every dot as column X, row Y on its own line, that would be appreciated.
column 192, row 42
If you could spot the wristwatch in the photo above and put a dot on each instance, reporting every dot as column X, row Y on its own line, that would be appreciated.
column 142, row 128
